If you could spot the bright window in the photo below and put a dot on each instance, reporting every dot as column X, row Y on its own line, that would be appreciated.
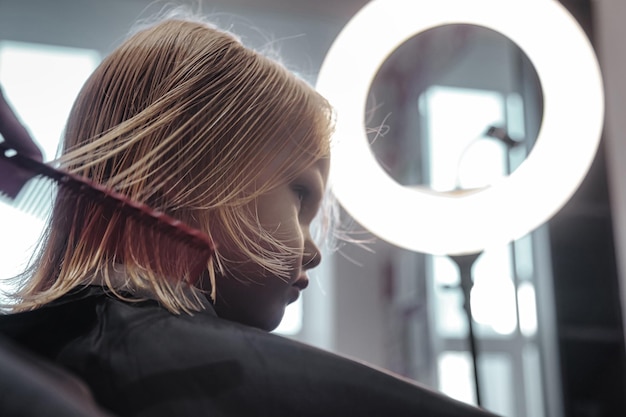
column 40, row 82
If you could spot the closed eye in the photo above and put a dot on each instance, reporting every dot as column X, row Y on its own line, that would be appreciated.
column 301, row 192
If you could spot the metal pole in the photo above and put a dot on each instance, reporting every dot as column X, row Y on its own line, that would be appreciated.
column 465, row 264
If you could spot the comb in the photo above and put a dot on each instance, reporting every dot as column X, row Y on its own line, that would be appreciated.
column 144, row 214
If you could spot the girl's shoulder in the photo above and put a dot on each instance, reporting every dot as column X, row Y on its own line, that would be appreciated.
column 143, row 360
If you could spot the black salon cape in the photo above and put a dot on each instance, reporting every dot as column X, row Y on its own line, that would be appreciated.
column 140, row 360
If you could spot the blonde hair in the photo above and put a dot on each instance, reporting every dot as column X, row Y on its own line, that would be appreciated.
column 182, row 117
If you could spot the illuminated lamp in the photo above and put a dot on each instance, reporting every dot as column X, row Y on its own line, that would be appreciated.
column 468, row 222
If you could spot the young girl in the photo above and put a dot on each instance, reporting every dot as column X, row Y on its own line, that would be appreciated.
column 185, row 119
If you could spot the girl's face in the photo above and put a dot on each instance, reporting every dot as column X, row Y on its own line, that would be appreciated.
column 250, row 295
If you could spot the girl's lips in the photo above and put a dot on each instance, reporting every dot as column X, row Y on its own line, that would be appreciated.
column 302, row 282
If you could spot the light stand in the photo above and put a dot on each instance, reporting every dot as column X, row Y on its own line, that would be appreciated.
column 465, row 263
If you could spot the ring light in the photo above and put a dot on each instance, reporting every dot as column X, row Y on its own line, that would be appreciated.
column 439, row 223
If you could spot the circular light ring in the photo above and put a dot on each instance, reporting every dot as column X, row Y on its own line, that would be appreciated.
column 437, row 223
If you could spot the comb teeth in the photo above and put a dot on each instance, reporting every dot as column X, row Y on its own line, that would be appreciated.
column 33, row 198
column 36, row 197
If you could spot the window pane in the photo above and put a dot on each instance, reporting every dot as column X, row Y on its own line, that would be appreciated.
column 456, row 376
column 456, row 379
column 456, row 119
column 40, row 82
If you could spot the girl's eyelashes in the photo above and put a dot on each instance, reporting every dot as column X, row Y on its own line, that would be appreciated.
column 301, row 192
